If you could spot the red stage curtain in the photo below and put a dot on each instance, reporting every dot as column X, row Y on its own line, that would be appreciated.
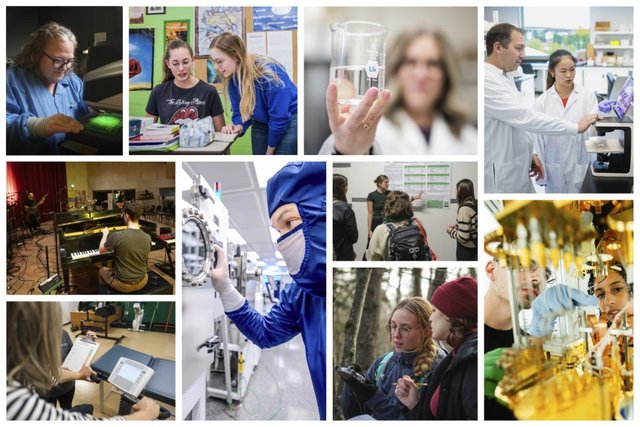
column 38, row 178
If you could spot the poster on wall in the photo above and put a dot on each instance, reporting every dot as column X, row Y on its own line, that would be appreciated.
column 176, row 30
column 141, row 58
column 211, row 21
column 275, row 18
column 433, row 179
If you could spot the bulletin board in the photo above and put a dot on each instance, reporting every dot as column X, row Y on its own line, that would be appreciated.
column 275, row 41
column 434, row 179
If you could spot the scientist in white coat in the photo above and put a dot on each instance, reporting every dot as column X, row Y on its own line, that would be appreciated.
column 565, row 158
column 424, row 115
column 509, row 123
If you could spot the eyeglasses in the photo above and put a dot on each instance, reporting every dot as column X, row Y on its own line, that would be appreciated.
column 60, row 63
column 404, row 331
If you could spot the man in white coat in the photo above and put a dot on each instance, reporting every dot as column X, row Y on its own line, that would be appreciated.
column 509, row 123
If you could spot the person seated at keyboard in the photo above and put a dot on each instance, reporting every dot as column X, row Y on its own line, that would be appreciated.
column 130, row 249
column 44, row 95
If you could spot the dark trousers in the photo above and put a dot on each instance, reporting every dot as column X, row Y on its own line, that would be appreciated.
column 466, row 254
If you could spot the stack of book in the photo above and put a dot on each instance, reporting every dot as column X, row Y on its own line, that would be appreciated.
column 156, row 137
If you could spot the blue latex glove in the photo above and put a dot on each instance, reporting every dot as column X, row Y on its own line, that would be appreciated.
column 606, row 106
column 553, row 302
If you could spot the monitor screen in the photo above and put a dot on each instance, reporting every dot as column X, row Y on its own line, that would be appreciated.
column 624, row 99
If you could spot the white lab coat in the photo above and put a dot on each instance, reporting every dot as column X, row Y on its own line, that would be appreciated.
column 565, row 158
column 406, row 138
column 508, row 138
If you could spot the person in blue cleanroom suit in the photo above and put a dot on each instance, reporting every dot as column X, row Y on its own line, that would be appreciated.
column 44, row 96
column 296, row 198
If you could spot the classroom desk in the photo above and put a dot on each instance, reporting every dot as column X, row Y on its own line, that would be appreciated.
column 215, row 148
column 161, row 387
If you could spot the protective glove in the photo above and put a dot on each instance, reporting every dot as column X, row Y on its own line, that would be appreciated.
column 553, row 302
column 230, row 297
column 606, row 106
column 492, row 372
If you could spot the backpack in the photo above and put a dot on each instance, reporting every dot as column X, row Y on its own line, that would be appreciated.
column 407, row 244
column 379, row 375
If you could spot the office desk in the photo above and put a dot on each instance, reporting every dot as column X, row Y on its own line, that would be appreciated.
column 161, row 387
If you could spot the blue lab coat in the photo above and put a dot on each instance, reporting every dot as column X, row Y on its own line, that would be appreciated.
column 27, row 96
column 302, row 305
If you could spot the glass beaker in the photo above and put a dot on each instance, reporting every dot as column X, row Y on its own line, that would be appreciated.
column 357, row 59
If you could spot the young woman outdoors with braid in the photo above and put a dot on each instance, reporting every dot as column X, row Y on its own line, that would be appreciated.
column 415, row 353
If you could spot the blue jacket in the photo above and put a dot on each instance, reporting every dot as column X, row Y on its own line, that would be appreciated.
column 275, row 104
column 27, row 96
column 302, row 305
column 384, row 405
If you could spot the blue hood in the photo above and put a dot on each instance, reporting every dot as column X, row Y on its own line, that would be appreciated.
column 304, row 183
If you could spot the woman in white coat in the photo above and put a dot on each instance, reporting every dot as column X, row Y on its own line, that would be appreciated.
column 424, row 116
column 565, row 158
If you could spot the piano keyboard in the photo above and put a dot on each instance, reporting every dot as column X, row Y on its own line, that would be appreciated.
column 93, row 252
column 84, row 254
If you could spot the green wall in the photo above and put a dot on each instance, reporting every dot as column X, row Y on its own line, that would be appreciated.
column 164, row 310
column 138, row 98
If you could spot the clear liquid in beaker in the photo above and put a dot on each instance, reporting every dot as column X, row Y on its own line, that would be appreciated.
column 353, row 82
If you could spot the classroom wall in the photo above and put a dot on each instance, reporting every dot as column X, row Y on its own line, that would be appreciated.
column 361, row 176
column 138, row 98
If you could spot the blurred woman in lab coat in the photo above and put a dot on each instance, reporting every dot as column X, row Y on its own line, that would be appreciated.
column 423, row 116
column 564, row 157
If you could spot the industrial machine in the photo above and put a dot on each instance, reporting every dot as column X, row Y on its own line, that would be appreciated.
column 218, row 360
column 584, row 370
column 613, row 144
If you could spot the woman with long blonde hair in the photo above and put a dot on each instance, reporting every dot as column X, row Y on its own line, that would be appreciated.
column 33, row 365
column 414, row 353
column 261, row 94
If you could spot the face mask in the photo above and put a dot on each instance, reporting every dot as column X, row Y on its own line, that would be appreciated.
column 293, row 248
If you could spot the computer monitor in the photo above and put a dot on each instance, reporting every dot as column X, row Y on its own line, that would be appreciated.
column 624, row 99
column 103, row 78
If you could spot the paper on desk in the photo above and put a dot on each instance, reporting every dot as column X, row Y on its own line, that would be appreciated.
column 81, row 354
column 225, row 137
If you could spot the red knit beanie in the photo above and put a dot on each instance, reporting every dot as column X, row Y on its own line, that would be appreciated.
column 458, row 298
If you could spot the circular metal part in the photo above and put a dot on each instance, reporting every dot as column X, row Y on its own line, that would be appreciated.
column 197, row 248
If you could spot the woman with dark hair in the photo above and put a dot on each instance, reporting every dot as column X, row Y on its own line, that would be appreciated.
column 415, row 354
column 466, row 229
column 398, row 213
column 564, row 157
column 452, row 390
column 375, row 203
column 424, row 113
column 181, row 95
column 345, row 229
